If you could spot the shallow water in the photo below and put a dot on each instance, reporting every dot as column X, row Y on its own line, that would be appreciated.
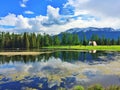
column 64, row 69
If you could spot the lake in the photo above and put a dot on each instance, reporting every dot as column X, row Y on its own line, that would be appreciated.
column 64, row 69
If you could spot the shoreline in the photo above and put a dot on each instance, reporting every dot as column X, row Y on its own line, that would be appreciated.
column 21, row 53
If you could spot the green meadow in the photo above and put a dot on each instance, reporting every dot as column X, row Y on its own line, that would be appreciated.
column 78, row 47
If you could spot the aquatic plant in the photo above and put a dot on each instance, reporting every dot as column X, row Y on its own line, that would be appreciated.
column 78, row 88
column 96, row 87
column 61, row 88
column 113, row 87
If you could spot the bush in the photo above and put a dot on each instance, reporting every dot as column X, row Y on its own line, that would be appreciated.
column 96, row 87
column 78, row 88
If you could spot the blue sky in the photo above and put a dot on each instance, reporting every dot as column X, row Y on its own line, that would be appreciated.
column 38, row 7
column 55, row 16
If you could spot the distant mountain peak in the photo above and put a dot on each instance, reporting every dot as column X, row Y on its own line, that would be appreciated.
column 75, row 30
column 107, row 32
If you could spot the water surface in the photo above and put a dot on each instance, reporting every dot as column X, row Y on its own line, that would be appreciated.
column 64, row 69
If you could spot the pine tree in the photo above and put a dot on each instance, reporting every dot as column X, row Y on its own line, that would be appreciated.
column 32, row 40
column 113, row 42
column 64, row 39
column 69, row 39
column 118, row 41
column 1, row 40
column 56, row 40
column 108, row 42
column 38, row 41
column 7, row 40
column 85, row 42
column 26, row 41
column 75, row 40
column 46, row 40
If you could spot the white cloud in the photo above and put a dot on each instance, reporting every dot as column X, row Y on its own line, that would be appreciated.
column 22, row 23
column 23, row 3
column 36, row 24
column 10, row 19
column 52, row 16
column 54, row 23
column 109, row 8
column 29, row 12
column 75, row 3
column 52, row 12
column 106, row 7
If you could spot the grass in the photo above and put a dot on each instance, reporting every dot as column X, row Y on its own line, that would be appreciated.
column 78, row 47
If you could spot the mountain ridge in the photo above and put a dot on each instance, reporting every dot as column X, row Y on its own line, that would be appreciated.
column 92, row 29
column 106, row 32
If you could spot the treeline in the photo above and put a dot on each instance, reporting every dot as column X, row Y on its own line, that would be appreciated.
column 36, row 41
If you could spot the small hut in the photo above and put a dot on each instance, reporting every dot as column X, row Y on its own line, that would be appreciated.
column 92, row 43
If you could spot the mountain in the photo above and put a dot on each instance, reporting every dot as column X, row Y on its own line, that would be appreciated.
column 101, row 32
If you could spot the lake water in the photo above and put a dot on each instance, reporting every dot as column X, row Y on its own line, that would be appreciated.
column 63, row 69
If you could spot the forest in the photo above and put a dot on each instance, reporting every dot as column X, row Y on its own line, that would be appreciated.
column 35, row 41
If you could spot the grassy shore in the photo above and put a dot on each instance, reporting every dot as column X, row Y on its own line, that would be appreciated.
column 78, row 47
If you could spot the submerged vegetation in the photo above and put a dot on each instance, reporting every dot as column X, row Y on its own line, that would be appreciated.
column 97, row 87
column 79, row 87
column 60, row 69
column 36, row 41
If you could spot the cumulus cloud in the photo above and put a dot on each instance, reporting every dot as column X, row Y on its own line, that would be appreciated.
column 10, row 19
column 22, row 23
column 76, row 13
column 102, row 7
column 52, row 16
column 105, row 7
column 29, row 12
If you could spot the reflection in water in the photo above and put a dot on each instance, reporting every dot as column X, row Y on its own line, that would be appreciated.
column 59, row 69
column 92, row 51
column 69, row 56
